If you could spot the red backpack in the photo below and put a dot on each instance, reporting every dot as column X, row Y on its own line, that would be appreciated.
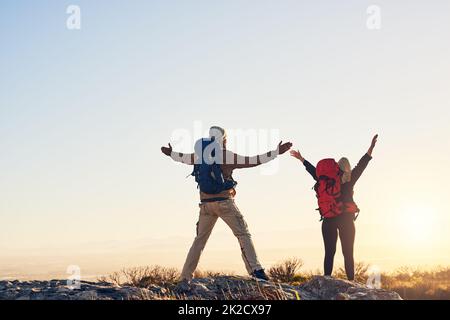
column 328, row 188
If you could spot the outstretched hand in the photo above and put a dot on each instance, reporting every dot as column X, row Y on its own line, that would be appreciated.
column 372, row 145
column 374, row 141
column 167, row 150
column 283, row 147
column 296, row 154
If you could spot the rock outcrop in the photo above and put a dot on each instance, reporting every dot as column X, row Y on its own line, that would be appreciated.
column 222, row 288
column 58, row 290
column 327, row 288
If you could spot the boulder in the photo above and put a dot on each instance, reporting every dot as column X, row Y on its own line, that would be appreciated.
column 328, row 288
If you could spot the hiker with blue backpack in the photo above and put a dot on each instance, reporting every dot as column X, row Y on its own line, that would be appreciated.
column 334, row 191
column 213, row 169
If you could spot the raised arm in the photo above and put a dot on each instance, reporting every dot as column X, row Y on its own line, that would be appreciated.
column 308, row 166
column 240, row 162
column 186, row 158
column 362, row 164
column 372, row 145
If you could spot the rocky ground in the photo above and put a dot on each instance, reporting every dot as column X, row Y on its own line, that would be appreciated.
column 222, row 288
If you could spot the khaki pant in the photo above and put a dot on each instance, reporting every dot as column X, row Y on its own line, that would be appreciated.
column 228, row 212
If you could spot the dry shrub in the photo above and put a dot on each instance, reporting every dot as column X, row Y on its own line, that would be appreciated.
column 361, row 274
column 412, row 284
column 286, row 271
column 144, row 277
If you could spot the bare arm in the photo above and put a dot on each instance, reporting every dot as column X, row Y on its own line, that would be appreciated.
column 240, row 162
column 186, row 158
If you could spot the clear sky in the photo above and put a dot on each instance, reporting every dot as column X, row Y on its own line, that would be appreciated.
column 83, row 114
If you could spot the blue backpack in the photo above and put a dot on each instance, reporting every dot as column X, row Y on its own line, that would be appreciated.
column 207, row 171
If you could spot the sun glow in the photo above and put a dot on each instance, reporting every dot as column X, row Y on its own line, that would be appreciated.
column 416, row 225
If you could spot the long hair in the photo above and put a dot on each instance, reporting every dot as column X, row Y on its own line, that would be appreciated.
column 344, row 164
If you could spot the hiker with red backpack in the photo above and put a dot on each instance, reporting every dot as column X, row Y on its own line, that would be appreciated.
column 213, row 168
column 334, row 190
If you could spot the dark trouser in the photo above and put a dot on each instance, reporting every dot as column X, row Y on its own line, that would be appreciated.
column 346, row 227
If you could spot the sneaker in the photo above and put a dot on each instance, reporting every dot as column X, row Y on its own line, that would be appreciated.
column 260, row 274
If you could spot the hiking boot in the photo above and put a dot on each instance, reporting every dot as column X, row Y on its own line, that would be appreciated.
column 183, row 286
column 260, row 274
